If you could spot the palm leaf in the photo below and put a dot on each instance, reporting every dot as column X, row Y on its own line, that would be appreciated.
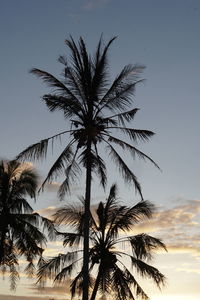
column 120, row 89
column 13, row 277
column 135, row 134
column 146, row 270
column 77, row 284
column 134, row 151
column 57, row 168
column 100, row 169
column 54, row 265
column 71, row 239
column 53, row 82
column 39, row 150
column 99, row 80
column 121, row 284
column 20, row 205
column 71, row 174
column 143, row 244
column 132, row 281
column 126, row 172
column 69, row 106
column 126, row 116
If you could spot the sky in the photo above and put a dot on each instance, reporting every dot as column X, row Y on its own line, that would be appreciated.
column 163, row 36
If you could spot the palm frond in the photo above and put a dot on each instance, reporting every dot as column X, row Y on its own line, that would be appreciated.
column 25, row 183
column 97, row 164
column 105, row 281
column 71, row 239
column 82, row 64
column 48, row 226
column 60, row 164
column 120, row 284
column 76, row 60
column 143, row 244
column 71, row 174
column 126, row 116
column 146, row 270
column 133, row 150
column 53, row 82
column 27, row 236
column 39, row 150
column 132, row 281
column 122, row 218
column 101, row 169
column 19, row 232
column 20, row 205
column 53, row 266
column 14, row 277
column 70, row 215
column 127, row 174
column 99, row 80
column 122, row 87
column 111, row 201
column 70, row 107
column 135, row 134
column 72, row 80
column 30, row 269
column 77, row 284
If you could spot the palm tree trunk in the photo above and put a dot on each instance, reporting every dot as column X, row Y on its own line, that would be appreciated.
column 95, row 289
column 3, row 235
column 87, row 223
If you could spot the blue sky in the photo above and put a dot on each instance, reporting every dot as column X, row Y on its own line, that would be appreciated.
column 162, row 35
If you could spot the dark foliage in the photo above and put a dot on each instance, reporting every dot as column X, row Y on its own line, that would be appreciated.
column 109, row 225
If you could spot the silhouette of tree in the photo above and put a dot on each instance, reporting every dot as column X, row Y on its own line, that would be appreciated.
column 97, row 111
column 109, row 226
column 19, row 233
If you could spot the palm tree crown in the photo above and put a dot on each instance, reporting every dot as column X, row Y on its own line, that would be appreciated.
column 108, row 229
column 19, row 233
column 97, row 111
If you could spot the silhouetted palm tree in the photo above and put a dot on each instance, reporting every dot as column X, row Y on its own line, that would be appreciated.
column 109, row 226
column 97, row 111
column 19, row 233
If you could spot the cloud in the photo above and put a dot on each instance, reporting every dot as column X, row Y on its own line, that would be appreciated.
column 48, row 211
column 177, row 248
column 178, row 227
column 94, row 4
column 53, row 187
column 54, row 248
column 188, row 270
column 53, row 290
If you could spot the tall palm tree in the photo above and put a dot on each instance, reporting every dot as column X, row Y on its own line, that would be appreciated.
column 19, row 233
column 97, row 112
column 109, row 226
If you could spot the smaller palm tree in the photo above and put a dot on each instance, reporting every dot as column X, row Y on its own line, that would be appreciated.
column 19, row 232
column 109, row 225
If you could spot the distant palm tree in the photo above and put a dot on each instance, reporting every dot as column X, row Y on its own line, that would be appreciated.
column 109, row 226
column 19, row 233
column 97, row 111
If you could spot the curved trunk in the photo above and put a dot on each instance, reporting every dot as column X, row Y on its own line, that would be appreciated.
column 3, row 230
column 87, row 223
column 2, row 248
column 95, row 289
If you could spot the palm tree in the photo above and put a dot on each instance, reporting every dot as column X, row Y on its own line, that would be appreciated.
column 19, row 233
column 97, row 112
column 109, row 226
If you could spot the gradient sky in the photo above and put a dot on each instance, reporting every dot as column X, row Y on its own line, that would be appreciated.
column 165, row 37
